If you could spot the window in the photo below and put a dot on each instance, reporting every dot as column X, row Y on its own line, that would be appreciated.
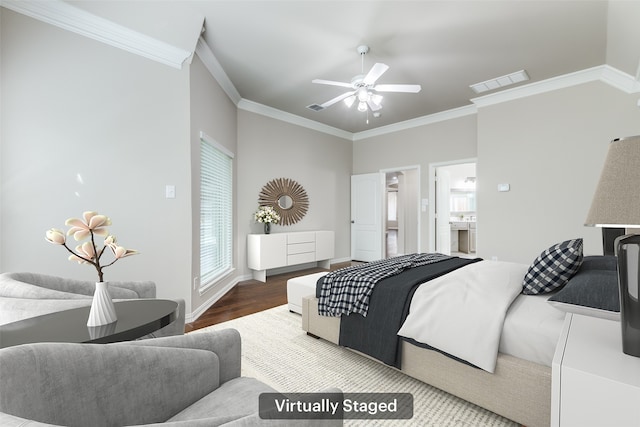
column 216, row 205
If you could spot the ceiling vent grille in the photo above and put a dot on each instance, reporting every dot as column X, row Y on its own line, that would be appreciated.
column 498, row 82
column 315, row 107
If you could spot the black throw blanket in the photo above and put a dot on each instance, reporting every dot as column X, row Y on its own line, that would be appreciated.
column 377, row 334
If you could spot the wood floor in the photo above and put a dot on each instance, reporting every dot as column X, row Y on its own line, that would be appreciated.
column 250, row 297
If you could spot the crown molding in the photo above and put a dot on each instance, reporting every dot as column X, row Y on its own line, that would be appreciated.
column 211, row 63
column 274, row 113
column 442, row 116
column 604, row 73
column 71, row 18
column 620, row 80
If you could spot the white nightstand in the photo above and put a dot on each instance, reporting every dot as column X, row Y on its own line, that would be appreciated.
column 593, row 382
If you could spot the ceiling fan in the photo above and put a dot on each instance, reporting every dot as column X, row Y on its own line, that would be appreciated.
column 364, row 89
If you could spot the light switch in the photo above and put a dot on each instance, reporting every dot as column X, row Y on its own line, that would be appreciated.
column 170, row 192
column 504, row 187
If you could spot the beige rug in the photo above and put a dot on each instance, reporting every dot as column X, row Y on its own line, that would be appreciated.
column 278, row 352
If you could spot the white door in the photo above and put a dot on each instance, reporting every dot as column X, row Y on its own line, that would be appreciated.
column 443, row 233
column 367, row 204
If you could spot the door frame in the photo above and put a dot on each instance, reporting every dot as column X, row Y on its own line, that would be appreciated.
column 432, row 195
column 418, row 198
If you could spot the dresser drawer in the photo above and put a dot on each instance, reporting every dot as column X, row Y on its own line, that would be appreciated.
column 299, row 248
column 301, row 237
column 301, row 258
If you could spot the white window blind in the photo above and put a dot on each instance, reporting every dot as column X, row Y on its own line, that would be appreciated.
column 216, row 203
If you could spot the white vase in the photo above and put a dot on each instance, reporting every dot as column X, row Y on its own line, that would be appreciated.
column 102, row 310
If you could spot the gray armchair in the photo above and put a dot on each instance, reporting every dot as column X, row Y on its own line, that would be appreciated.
column 188, row 380
column 24, row 295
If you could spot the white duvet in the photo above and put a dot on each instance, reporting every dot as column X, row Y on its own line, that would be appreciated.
column 462, row 312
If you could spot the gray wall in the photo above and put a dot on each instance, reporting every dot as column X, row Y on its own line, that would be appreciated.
column 86, row 126
column 321, row 163
column 550, row 148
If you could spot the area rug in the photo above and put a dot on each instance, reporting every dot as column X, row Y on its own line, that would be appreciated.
column 278, row 352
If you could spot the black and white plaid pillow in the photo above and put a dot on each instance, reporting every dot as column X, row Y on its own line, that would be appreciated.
column 553, row 268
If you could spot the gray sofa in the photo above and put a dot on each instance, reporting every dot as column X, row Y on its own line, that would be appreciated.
column 188, row 380
column 24, row 295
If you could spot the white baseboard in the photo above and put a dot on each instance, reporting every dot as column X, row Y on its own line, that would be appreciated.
column 193, row 316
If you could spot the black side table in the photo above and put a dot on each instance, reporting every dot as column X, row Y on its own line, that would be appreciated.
column 136, row 318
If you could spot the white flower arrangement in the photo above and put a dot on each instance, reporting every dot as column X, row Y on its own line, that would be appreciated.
column 90, row 226
column 266, row 215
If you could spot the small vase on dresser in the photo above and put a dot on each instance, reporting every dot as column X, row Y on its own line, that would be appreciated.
column 102, row 310
column 267, row 227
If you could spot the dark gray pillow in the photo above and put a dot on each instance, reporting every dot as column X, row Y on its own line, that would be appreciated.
column 553, row 268
column 599, row 262
column 591, row 293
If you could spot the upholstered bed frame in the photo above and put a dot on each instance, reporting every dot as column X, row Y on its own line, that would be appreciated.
column 519, row 390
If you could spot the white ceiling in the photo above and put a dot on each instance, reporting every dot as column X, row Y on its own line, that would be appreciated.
column 271, row 50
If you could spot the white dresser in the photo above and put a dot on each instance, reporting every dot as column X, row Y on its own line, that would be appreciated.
column 593, row 382
column 268, row 251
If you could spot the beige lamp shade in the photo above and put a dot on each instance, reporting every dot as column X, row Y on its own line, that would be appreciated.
column 616, row 202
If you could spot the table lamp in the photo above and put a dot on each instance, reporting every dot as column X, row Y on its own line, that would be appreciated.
column 616, row 203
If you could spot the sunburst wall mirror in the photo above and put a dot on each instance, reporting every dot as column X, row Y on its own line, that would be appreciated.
column 287, row 197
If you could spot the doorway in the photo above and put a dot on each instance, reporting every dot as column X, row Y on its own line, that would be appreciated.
column 452, row 213
column 385, row 214
column 402, row 211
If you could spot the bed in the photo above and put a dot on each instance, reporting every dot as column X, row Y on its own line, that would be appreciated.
column 517, row 384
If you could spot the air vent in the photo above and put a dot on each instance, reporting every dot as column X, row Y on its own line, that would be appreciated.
column 498, row 82
column 315, row 107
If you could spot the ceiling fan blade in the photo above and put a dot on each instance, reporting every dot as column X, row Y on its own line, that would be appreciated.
column 337, row 99
column 376, row 71
column 398, row 88
column 331, row 82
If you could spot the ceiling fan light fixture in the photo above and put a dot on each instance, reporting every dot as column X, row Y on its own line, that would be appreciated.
column 350, row 100
column 363, row 95
column 363, row 87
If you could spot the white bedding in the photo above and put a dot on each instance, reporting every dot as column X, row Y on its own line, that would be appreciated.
column 462, row 313
column 531, row 329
